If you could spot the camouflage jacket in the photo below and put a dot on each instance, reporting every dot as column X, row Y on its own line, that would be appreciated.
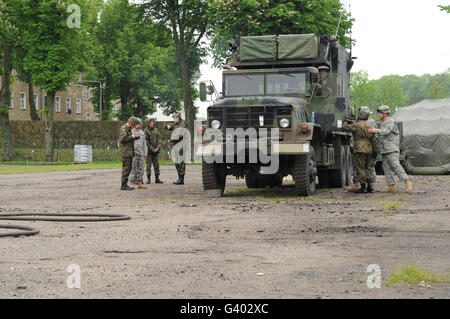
column 153, row 139
column 388, row 136
column 176, row 139
column 140, row 145
column 126, row 142
column 364, row 142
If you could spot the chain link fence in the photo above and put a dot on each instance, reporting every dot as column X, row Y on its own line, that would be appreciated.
column 104, row 150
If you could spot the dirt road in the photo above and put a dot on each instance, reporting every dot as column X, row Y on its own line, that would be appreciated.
column 248, row 244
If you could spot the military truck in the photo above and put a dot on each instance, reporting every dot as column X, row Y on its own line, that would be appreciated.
column 298, row 83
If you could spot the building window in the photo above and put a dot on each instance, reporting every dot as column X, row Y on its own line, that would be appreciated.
column 23, row 101
column 36, row 102
column 78, row 106
column 57, row 104
column 11, row 101
column 88, row 117
column 88, row 93
column 68, row 104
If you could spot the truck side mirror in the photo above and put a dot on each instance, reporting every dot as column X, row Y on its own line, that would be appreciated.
column 203, row 91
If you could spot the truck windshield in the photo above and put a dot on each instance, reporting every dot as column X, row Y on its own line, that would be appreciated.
column 244, row 84
column 265, row 84
column 286, row 83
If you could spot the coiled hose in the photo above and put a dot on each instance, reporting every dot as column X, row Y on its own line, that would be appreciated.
column 53, row 217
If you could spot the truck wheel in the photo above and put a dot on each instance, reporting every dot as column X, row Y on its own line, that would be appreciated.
column 213, row 177
column 349, row 162
column 250, row 180
column 338, row 176
column 305, row 172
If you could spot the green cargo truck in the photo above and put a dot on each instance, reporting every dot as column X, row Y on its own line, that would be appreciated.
column 299, row 84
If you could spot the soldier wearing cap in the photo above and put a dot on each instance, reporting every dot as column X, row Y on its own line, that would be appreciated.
column 126, row 148
column 180, row 165
column 389, row 144
column 365, row 145
column 153, row 138
column 372, row 161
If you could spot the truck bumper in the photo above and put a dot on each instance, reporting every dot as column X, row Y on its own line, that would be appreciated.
column 279, row 148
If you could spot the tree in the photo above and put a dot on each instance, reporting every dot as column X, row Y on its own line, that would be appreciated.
column 188, row 21
column 361, row 90
column 445, row 8
column 436, row 91
column 389, row 92
column 56, row 49
column 233, row 19
column 137, row 60
column 7, row 43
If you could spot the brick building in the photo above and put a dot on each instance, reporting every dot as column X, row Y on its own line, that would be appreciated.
column 72, row 105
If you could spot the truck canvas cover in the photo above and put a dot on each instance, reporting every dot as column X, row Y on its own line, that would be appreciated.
column 258, row 48
column 282, row 47
column 298, row 46
column 426, row 132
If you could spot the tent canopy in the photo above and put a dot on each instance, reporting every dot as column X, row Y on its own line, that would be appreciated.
column 426, row 132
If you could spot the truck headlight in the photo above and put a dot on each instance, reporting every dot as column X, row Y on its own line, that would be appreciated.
column 284, row 123
column 215, row 124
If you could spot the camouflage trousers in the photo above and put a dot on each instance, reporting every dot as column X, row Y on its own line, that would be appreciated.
column 137, row 169
column 372, row 172
column 126, row 168
column 152, row 159
column 392, row 168
column 181, row 168
column 361, row 164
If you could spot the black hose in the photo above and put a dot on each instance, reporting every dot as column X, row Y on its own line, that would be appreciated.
column 28, row 231
column 83, row 217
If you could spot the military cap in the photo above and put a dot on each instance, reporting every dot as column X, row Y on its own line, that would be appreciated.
column 363, row 113
column 323, row 68
column 384, row 109
column 177, row 115
column 134, row 121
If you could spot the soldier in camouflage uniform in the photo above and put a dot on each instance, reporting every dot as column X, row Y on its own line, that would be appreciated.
column 389, row 140
column 153, row 138
column 365, row 145
column 180, row 165
column 372, row 161
column 126, row 148
column 140, row 154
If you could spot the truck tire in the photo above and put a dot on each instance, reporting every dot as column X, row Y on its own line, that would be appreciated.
column 250, row 180
column 305, row 172
column 213, row 177
column 338, row 176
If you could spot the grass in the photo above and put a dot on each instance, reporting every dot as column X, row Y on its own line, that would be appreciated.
column 20, row 167
column 391, row 204
column 411, row 275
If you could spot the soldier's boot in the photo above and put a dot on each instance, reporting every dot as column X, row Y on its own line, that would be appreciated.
column 409, row 186
column 141, row 186
column 370, row 187
column 180, row 180
column 362, row 190
column 157, row 180
column 125, row 187
column 356, row 186
column 390, row 189
column 132, row 184
column 149, row 181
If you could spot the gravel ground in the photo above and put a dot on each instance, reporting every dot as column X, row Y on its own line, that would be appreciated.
column 179, row 244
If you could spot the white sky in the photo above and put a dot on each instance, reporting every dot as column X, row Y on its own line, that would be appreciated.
column 393, row 37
